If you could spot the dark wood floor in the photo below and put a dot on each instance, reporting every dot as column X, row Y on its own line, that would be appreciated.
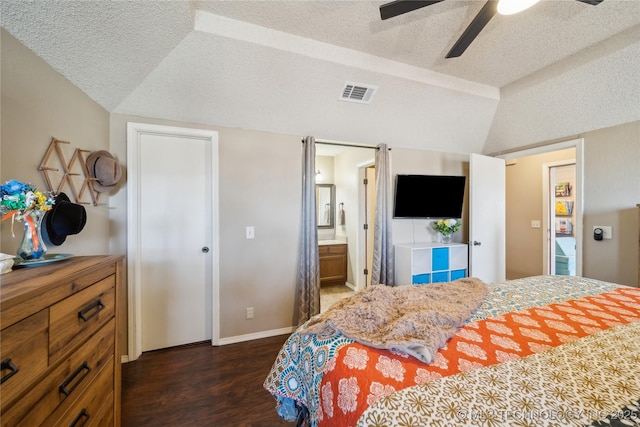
column 201, row 385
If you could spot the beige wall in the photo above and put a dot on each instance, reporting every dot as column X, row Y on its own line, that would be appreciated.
column 611, row 192
column 38, row 104
column 259, row 185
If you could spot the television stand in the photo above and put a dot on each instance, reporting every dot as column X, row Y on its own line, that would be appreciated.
column 425, row 263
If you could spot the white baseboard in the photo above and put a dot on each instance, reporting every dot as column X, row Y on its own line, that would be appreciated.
column 256, row 335
column 242, row 338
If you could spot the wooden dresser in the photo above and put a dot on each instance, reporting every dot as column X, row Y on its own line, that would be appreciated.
column 59, row 343
column 333, row 264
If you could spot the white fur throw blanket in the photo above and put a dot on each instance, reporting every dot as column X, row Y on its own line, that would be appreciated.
column 416, row 320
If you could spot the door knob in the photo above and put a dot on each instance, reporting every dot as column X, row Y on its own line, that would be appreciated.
column 205, row 249
column 476, row 243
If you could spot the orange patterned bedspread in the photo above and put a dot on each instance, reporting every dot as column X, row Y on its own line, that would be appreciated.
column 358, row 376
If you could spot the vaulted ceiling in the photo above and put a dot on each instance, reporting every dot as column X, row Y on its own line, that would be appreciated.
column 280, row 66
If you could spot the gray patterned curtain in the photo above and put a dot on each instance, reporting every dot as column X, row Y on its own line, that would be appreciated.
column 308, row 282
column 382, row 267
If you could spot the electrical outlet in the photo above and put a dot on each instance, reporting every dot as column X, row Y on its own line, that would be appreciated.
column 249, row 313
column 535, row 224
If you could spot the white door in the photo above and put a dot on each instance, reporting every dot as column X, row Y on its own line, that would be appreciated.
column 370, row 210
column 487, row 218
column 175, row 244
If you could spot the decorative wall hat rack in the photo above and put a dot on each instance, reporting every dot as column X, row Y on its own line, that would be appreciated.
column 69, row 170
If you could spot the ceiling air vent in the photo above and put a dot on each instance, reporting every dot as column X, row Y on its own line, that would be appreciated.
column 357, row 92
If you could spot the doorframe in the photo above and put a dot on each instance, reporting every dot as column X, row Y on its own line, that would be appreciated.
column 578, row 144
column 362, row 279
column 134, row 133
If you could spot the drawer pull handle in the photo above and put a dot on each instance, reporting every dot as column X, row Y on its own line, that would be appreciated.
column 72, row 379
column 93, row 308
column 80, row 419
column 8, row 364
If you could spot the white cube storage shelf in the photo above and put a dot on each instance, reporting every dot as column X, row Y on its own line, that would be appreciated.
column 423, row 263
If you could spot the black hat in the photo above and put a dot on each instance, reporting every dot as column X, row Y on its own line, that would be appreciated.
column 63, row 219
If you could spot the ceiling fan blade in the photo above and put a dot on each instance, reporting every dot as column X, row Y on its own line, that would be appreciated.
column 482, row 18
column 400, row 7
column 591, row 2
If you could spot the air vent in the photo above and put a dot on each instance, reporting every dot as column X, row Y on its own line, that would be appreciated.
column 357, row 92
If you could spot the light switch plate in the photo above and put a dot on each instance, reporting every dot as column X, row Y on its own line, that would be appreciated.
column 606, row 231
column 250, row 232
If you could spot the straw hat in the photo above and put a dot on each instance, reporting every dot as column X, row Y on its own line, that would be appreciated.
column 105, row 169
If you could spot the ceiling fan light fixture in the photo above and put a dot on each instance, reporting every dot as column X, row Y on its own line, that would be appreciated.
column 510, row 7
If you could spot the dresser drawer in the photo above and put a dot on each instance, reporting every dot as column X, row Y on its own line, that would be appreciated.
column 75, row 318
column 105, row 415
column 24, row 353
column 86, row 409
column 73, row 377
column 338, row 249
column 332, row 250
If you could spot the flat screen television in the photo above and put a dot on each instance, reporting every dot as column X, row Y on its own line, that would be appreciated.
column 428, row 196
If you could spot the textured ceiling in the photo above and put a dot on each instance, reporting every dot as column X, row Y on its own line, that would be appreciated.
column 279, row 65
column 509, row 47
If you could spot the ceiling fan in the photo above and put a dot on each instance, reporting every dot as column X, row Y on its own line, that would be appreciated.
column 491, row 7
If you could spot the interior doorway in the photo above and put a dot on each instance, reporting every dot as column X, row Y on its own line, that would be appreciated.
column 351, row 169
column 529, row 228
column 172, row 268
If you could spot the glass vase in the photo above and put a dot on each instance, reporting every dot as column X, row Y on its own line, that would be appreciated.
column 445, row 238
column 32, row 247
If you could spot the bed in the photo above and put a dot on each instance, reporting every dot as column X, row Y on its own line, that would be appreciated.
column 544, row 350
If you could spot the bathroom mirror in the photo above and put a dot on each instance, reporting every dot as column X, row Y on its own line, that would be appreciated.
column 325, row 205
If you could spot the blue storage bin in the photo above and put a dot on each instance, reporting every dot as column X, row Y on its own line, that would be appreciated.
column 440, row 259
column 442, row 276
column 421, row 279
column 458, row 274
